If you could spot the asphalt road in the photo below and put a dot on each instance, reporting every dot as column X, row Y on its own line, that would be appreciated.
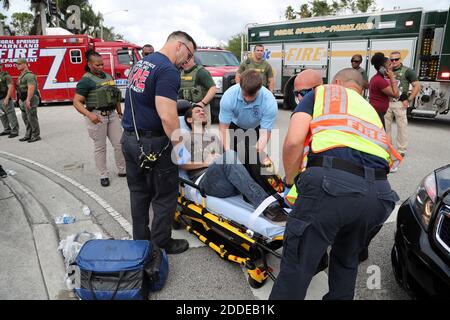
column 200, row 274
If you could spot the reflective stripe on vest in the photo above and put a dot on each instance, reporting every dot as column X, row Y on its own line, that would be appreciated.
column 335, row 125
column 342, row 118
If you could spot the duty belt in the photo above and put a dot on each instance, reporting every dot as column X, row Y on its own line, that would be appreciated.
column 145, row 133
column 346, row 166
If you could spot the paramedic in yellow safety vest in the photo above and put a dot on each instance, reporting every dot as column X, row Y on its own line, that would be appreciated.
column 257, row 62
column 197, row 86
column 343, row 195
column 97, row 91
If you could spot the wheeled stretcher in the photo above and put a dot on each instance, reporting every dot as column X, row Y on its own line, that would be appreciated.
column 231, row 227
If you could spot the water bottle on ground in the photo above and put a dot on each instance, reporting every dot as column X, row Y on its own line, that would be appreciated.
column 86, row 210
column 65, row 219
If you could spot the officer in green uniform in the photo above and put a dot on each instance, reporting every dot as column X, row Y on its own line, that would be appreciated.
column 7, row 112
column 197, row 86
column 258, row 63
column 28, row 96
column 398, row 107
column 99, row 100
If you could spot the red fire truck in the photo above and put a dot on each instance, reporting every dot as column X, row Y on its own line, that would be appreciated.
column 59, row 61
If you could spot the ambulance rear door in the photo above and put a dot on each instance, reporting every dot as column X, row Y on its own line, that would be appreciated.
column 342, row 53
column 406, row 47
column 273, row 54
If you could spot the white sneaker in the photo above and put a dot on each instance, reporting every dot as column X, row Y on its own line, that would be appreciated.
column 394, row 169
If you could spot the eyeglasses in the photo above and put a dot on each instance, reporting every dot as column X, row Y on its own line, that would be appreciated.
column 302, row 92
column 395, row 59
column 356, row 61
column 190, row 54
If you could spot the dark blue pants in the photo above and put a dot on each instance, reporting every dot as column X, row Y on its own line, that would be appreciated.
column 334, row 208
column 228, row 177
column 158, row 187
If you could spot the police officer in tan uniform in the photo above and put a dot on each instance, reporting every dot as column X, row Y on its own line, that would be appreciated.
column 7, row 112
column 28, row 96
column 97, row 91
column 257, row 62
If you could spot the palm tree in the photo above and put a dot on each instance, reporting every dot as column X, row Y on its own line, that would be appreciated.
column 40, row 16
column 6, row 4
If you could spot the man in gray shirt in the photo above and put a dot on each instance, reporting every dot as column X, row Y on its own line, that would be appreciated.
column 220, row 174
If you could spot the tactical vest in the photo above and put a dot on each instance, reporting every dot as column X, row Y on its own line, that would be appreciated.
column 3, row 85
column 22, row 86
column 189, row 90
column 260, row 67
column 343, row 118
column 400, row 75
column 105, row 96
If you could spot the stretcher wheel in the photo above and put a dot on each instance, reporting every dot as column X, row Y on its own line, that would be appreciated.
column 254, row 283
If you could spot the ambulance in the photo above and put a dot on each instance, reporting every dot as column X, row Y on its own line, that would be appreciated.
column 327, row 44
column 59, row 61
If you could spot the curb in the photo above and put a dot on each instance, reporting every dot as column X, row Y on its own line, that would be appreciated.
column 45, row 239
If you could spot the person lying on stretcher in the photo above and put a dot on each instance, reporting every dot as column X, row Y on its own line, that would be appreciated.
column 221, row 174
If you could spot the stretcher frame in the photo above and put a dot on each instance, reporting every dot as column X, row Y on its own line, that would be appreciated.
column 232, row 241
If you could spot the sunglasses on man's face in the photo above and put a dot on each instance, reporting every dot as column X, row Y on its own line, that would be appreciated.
column 190, row 54
column 356, row 61
column 395, row 59
column 302, row 92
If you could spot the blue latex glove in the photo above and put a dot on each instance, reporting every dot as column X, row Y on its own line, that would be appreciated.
column 183, row 156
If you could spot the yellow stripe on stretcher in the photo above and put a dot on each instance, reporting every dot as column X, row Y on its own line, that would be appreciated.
column 218, row 249
column 217, row 220
column 224, row 224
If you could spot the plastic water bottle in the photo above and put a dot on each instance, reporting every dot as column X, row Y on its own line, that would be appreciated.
column 65, row 219
column 86, row 210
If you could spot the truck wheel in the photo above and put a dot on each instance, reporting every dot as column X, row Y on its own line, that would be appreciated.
column 289, row 99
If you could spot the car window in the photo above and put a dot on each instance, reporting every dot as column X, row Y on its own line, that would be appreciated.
column 216, row 59
column 124, row 57
column 443, row 179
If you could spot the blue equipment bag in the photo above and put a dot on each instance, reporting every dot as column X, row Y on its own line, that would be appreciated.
column 120, row 270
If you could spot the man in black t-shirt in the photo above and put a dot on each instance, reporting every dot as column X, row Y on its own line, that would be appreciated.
column 152, row 92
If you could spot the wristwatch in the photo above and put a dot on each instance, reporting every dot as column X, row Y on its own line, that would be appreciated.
column 286, row 184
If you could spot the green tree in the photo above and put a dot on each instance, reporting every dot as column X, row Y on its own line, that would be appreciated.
column 318, row 8
column 3, row 27
column 289, row 14
column 5, row 4
column 321, row 8
column 38, row 10
column 364, row 5
column 304, row 11
column 235, row 45
column 22, row 23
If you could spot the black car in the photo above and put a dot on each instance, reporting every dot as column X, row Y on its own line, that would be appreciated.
column 421, row 252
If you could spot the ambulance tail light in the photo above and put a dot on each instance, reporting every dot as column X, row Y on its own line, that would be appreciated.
column 409, row 23
column 73, row 40
column 445, row 75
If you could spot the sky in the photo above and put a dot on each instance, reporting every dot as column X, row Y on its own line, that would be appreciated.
column 209, row 22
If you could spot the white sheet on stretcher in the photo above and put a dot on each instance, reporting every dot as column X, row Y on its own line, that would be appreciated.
column 236, row 209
